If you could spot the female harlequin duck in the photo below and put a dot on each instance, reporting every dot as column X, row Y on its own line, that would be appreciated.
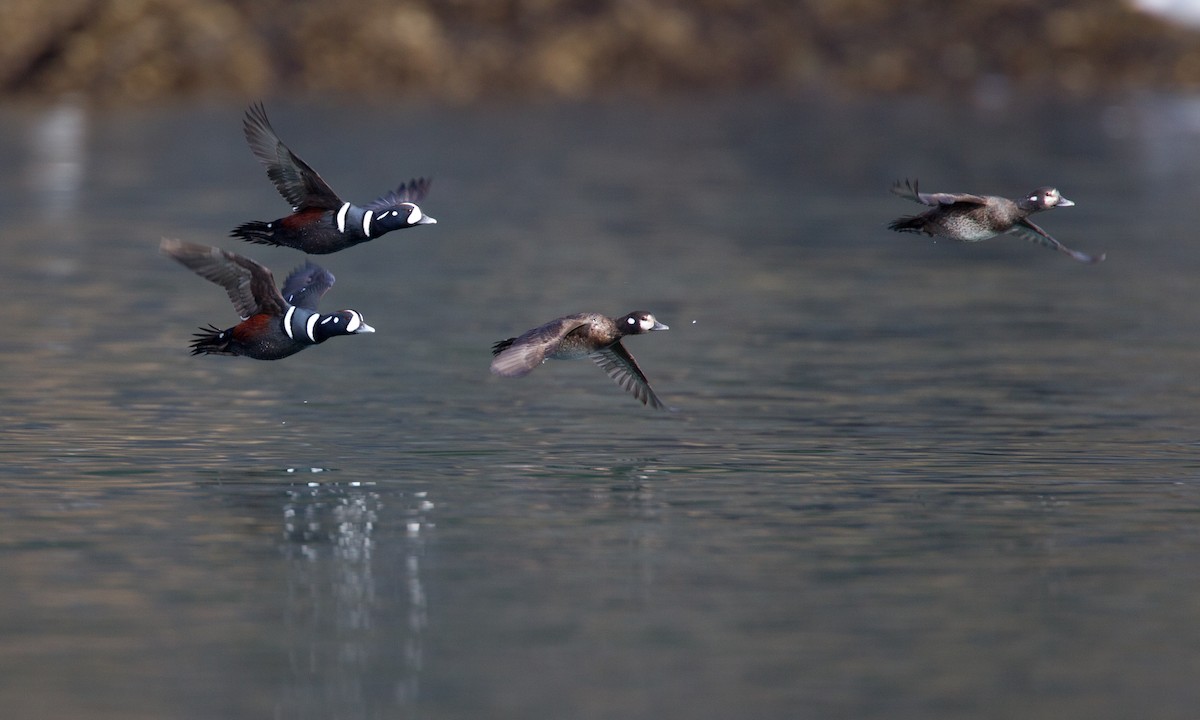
column 274, row 325
column 589, row 335
column 321, row 222
column 971, row 218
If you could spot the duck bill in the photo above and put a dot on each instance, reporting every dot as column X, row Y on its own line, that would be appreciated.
column 660, row 326
column 364, row 328
column 426, row 220
column 1063, row 202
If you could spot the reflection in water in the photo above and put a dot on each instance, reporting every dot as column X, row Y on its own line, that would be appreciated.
column 56, row 169
column 634, row 491
column 418, row 618
column 56, row 172
column 335, row 645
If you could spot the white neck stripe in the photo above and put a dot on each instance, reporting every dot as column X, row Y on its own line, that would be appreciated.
column 341, row 217
column 367, row 222
column 311, row 328
column 287, row 322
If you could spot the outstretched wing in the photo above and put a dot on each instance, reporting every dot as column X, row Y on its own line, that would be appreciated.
column 621, row 367
column 414, row 191
column 513, row 360
column 519, row 356
column 305, row 286
column 298, row 183
column 249, row 285
column 1026, row 229
column 908, row 190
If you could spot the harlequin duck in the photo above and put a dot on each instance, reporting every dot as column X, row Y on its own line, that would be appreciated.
column 971, row 218
column 589, row 335
column 321, row 222
column 274, row 325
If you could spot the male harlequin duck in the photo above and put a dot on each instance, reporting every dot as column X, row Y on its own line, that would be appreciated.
column 582, row 335
column 971, row 218
column 274, row 325
column 321, row 222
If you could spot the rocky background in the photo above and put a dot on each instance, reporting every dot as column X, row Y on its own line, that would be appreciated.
column 111, row 51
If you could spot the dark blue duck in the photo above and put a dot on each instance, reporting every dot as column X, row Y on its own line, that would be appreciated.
column 274, row 324
column 321, row 221
column 971, row 218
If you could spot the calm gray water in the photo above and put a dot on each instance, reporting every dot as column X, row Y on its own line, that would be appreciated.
column 905, row 479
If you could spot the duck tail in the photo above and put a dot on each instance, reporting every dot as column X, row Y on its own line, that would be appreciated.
column 908, row 223
column 255, row 232
column 211, row 340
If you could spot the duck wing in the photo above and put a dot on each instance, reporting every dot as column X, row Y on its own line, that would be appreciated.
column 622, row 368
column 1028, row 230
column 305, row 286
column 908, row 190
column 298, row 183
column 518, row 356
column 414, row 191
column 249, row 285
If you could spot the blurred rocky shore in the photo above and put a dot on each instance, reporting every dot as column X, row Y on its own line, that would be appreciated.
column 122, row 51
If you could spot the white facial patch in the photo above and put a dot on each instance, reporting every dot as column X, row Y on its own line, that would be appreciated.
column 311, row 327
column 367, row 222
column 341, row 217
column 414, row 216
column 646, row 323
column 355, row 322
column 287, row 322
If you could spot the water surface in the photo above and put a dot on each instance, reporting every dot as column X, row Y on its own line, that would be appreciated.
column 903, row 478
